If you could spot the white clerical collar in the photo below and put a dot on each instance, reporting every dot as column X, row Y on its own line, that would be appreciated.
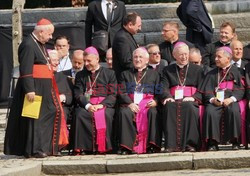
column 226, row 67
column 154, row 65
column 96, row 69
column 181, row 66
column 35, row 36
column 228, row 43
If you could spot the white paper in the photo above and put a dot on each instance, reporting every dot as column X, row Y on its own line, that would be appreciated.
column 220, row 95
column 138, row 96
column 179, row 93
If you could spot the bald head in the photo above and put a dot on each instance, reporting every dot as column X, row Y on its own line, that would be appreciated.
column 109, row 57
column 77, row 60
column 237, row 50
column 195, row 56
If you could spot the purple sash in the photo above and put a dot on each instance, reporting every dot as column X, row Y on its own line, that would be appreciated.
column 187, row 90
column 142, row 123
column 100, row 124
column 242, row 104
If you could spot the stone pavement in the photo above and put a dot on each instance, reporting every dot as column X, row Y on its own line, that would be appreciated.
column 104, row 164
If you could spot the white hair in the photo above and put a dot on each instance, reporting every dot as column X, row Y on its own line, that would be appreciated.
column 143, row 50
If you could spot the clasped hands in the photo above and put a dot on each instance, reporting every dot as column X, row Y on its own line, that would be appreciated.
column 172, row 100
column 226, row 102
column 94, row 108
column 135, row 108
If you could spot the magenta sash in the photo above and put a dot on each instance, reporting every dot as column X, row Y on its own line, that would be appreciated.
column 242, row 104
column 100, row 124
column 187, row 90
column 142, row 123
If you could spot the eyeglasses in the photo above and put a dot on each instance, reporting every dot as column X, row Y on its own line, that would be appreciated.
column 196, row 63
column 155, row 53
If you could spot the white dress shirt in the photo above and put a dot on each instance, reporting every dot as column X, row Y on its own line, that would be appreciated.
column 104, row 7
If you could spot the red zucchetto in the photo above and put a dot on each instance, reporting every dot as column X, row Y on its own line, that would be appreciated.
column 43, row 21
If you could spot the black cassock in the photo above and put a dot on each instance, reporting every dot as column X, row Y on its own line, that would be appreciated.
column 83, row 127
column 64, row 87
column 180, row 119
column 26, row 136
column 222, row 124
column 247, row 76
column 127, row 125
column 208, row 55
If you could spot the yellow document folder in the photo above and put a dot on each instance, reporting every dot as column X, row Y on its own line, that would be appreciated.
column 32, row 109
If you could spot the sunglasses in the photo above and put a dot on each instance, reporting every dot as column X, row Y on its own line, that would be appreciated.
column 155, row 53
column 196, row 63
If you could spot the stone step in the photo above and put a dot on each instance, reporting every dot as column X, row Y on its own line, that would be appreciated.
column 147, row 11
column 156, row 37
column 241, row 20
column 2, row 134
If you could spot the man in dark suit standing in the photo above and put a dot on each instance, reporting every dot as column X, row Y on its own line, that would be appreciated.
column 99, row 15
column 237, row 54
column 124, row 43
column 194, row 15
column 170, row 34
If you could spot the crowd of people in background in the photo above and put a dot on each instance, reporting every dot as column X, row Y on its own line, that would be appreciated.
column 175, row 96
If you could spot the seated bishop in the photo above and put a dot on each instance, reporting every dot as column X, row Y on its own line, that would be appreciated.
column 180, row 108
column 95, row 95
column 222, row 91
column 138, row 120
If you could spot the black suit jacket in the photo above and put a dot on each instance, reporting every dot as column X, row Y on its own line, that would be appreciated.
column 67, row 72
column 96, row 19
column 243, row 64
column 123, row 46
column 208, row 56
column 194, row 15
column 166, row 49
column 246, row 52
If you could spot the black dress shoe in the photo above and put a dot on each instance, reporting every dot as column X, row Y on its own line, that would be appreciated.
column 40, row 155
column 59, row 154
column 190, row 149
column 235, row 146
column 167, row 150
column 213, row 148
column 125, row 151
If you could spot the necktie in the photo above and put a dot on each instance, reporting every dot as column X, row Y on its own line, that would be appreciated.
column 109, row 5
column 236, row 64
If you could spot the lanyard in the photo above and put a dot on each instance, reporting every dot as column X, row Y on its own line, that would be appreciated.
column 223, row 78
column 91, row 85
column 62, row 68
column 139, row 81
column 184, row 81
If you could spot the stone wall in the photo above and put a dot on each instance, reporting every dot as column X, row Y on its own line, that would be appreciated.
column 153, row 15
